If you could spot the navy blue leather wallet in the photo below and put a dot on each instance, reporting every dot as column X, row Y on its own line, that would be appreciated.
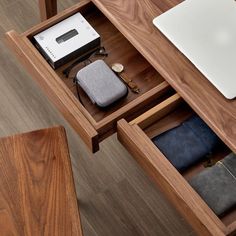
column 188, row 143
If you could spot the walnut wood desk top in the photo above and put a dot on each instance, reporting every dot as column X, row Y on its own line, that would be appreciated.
column 37, row 195
column 134, row 19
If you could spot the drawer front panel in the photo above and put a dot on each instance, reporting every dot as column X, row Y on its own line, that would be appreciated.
column 57, row 92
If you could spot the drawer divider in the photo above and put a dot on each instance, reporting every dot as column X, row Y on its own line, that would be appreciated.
column 158, row 111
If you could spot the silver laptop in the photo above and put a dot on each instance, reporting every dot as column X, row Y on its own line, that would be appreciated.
column 205, row 32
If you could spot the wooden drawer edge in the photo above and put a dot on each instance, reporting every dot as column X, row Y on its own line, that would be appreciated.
column 193, row 208
column 70, row 181
column 157, row 112
column 216, row 123
column 54, row 89
column 231, row 229
column 133, row 106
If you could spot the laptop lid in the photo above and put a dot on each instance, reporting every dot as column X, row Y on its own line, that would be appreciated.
column 205, row 32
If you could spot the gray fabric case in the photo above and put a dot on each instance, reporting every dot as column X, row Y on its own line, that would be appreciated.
column 101, row 84
column 217, row 185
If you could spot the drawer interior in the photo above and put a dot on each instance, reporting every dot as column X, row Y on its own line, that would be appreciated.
column 152, row 86
column 169, row 114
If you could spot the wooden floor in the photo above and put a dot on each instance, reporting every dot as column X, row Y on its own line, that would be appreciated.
column 116, row 197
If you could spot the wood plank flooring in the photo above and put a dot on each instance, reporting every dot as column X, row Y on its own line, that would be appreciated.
column 116, row 197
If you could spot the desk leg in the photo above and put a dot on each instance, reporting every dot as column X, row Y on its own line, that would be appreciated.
column 47, row 8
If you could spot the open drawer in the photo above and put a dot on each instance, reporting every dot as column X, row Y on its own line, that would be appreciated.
column 91, row 123
column 136, row 136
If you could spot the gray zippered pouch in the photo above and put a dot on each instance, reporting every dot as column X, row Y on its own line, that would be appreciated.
column 217, row 185
column 101, row 84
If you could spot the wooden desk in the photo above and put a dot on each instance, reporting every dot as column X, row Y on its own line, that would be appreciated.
column 158, row 67
column 37, row 194
column 134, row 21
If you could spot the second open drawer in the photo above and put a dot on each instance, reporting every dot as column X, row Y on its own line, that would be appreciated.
column 136, row 137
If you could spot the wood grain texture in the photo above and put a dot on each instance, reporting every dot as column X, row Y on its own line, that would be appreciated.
column 37, row 194
column 157, row 112
column 47, row 8
column 113, row 191
column 169, row 121
column 136, row 68
column 179, row 192
column 116, row 197
column 53, row 86
column 134, row 19
column 62, row 91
